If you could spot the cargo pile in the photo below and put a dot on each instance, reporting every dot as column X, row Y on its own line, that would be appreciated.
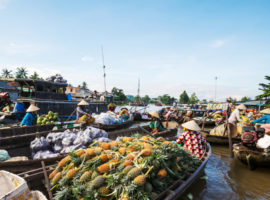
column 130, row 168
column 107, row 119
column 57, row 143
column 47, row 119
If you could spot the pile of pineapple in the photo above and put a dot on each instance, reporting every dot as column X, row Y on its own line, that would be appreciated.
column 131, row 168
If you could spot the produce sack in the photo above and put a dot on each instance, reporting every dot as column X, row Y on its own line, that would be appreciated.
column 13, row 187
column 39, row 144
column 44, row 154
column 221, row 130
column 3, row 155
column 264, row 142
column 37, row 195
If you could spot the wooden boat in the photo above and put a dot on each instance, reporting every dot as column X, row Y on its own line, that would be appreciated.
column 144, row 130
column 174, row 192
column 199, row 121
column 113, row 127
column 251, row 156
column 219, row 140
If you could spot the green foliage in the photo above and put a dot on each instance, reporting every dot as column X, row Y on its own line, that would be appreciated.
column 146, row 99
column 184, row 99
column 6, row 73
column 245, row 99
column 265, row 88
column 204, row 101
column 21, row 72
column 193, row 98
column 35, row 76
column 166, row 99
column 84, row 85
column 119, row 94
column 137, row 98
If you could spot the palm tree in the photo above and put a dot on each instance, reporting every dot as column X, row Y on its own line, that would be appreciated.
column 84, row 85
column 21, row 72
column 7, row 73
column 35, row 76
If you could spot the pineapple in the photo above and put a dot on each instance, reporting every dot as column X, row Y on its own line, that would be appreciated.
column 98, row 181
column 64, row 161
column 56, row 178
column 122, row 150
column 127, row 139
column 71, row 173
column 86, row 176
column 146, row 152
column 103, row 157
column 103, row 191
column 104, row 168
column 140, row 180
column 135, row 171
column 144, row 138
column 131, row 156
column 113, row 143
column 90, row 151
column 162, row 173
column 105, row 145
column 80, row 152
column 147, row 146
column 94, row 175
column 127, row 162
column 127, row 169
column 54, row 172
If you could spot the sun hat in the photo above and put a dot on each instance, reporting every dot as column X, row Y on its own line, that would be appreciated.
column 124, row 108
column 154, row 114
column 191, row 125
column 83, row 103
column 241, row 107
column 32, row 108
column 265, row 111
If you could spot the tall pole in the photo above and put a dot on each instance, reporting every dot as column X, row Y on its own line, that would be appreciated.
column 216, row 88
column 138, row 87
column 103, row 66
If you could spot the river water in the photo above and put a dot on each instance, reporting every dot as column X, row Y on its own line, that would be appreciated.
column 228, row 179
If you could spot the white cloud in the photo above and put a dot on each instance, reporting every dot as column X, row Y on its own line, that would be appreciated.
column 217, row 43
column 3, row 4
column 87, row 59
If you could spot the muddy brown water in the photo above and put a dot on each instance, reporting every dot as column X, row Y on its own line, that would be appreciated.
column 229, row 179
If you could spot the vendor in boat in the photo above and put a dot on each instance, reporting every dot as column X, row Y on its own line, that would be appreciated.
column 235, row 116
column 265, row 119
column 30, row 117
column 155, row 124
column 192, row 139
column 80, row 111
column 111, row 107
column 124, row 115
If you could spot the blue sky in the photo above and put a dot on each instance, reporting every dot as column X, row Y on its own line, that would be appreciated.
column 170, row 45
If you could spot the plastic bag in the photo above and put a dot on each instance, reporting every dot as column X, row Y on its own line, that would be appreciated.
column 39, row 144
column 44, row 154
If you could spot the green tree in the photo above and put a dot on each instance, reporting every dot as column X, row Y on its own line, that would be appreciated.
column 35, row 76
column 21, row 72
column 166, row 99
column 84, row 85
column 184, row 99
column 204, row 101
column 245, row 99
column 193, row 98
column 146, row 99
column 118, row 94
column 265, row 88
column 137, row 98
column 7, row 73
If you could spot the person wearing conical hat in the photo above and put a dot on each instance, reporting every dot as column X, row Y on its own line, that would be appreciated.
column 124, row 114
column 30, row 117
column 235, row 116
column 265, row 119
column 192, row 139
column 155, row 124
column 80, row 110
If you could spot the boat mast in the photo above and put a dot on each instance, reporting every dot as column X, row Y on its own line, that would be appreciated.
column 138, row 92
column 103, row 66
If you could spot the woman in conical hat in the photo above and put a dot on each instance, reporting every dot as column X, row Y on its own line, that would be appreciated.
column 80, row 113
column 155, row 124
column 192, row 139
column 265, row 119
column 30, row 117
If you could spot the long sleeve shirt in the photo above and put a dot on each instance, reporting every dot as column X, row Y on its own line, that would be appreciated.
column 79, row 112
column 263, row 120
column 29, row 119
column 235, row 117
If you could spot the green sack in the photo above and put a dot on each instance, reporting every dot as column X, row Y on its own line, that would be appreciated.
column 3, row 155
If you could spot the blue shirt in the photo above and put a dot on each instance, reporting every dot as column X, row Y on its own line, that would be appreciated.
column 263, row 120
column 18, row 109
column 29, row 119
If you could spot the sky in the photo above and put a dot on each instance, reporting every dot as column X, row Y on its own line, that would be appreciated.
column 171, row 46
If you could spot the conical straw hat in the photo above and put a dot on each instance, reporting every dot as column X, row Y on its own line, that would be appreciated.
column 154, row 114
column 241, row 107
column 32, row 108
column 265, row 111
column 83, row 103
column 191, row 125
